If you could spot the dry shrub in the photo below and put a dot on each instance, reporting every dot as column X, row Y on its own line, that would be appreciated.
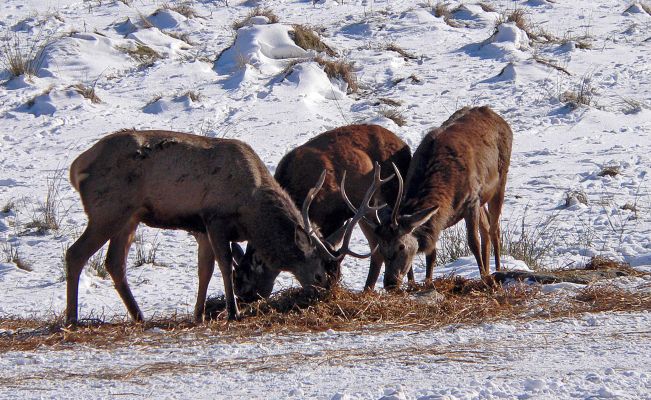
column 256, row 12
column 50, row 214
column 518, row 17
column 307, row 39
column 340, row 69
column 533, row 244
column 452, row 245
column 394, row 115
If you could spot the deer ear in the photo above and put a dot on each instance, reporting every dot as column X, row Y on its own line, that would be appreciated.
column 238, row 253
column 408, row 223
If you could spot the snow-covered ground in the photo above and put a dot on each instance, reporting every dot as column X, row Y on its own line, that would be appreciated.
column 242, row 93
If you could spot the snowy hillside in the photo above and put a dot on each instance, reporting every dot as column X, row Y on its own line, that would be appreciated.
column 572, row 78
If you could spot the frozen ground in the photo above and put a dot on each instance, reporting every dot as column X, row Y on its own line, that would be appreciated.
column 242, row 94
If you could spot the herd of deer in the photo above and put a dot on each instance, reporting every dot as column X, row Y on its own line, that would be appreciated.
column 222, row 192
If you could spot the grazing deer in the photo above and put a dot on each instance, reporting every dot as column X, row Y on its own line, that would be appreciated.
column 351, row 151
column 218, row 188
column 456, row 169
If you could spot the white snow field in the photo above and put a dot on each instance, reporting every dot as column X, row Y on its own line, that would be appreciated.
column 578, row 181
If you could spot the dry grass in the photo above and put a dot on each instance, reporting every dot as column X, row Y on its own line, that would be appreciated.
column 463, row 302
column 145, row 250
column 582, row 95
column 519, row 18
column 307, row 39
column 610, row 170
column 185, row 9
column 87, row 92
column 486, row 7
column 340, row 69
column 394, row 115
column 13, row 256
column 401, row 51
column 48, row 217
column 389, row 102
column 442, row 10
column 256, row 12
column 192, row 95
column 550, row 63
column 145, row 55
column 19, row 58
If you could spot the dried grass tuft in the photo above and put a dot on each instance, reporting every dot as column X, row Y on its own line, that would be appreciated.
column 394, row 47
column 306, row 38
column 463, row 301
column 256, row 12
column 394, row 115
column 340, row 69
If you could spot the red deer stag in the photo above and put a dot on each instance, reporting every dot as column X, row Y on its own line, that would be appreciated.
column 216, row 187
column 350, row 150
column 456, row 169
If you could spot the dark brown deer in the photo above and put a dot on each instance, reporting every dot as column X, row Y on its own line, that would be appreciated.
column 456, row 170
column 217, row 188
column 352, row 151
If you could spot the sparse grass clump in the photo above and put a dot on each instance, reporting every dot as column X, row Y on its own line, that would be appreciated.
column 389, row 102
column 340, row 69
column 184, row 9
column 145, row 251
column 48, row 218
column 87, row 92
column 97, row 265
column 145, row 55
column 400, row 50
column 12, row 256
column 8, row 207
column 532, row 244
column 442, row 10
column 192, row 95
column 394, row 115
column 486, row 7
column 307, row 39
column 452, row 245
column 518, row 17
column 19, row 58
column 256, row 12
column 610, row 170
column 582, row 95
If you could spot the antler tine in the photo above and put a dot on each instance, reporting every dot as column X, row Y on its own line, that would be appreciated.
column 311, row 194
column 360, row 213
column 396, row 207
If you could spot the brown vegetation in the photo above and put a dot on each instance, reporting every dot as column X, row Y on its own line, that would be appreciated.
column 463, row 301
column 256, row 12
column 307, row 39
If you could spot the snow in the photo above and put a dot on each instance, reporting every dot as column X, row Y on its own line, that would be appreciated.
column 245, row 93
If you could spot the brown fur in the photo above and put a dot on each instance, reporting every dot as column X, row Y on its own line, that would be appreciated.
column 218, row 188
column 458, row 168
column 352, row 148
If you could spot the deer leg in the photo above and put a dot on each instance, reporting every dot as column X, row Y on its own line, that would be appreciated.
column 116, row 260
column 93, row 238
column 472, row 223
column 221, row 248
column 430, row 262
column 494, row 211
column 206, row 265
column 376, row 258
column 485, row 238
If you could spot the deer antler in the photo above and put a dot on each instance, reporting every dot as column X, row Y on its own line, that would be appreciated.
column 311, row 194
column 361, row 212
column 396, row 207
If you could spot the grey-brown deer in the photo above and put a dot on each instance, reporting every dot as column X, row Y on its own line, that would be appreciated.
column 349, row 151
column 217, row 188
column 456, row 170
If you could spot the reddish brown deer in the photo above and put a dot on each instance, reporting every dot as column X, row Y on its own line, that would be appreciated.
column 456, row 169
column 352, row 151
column 216, row 187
